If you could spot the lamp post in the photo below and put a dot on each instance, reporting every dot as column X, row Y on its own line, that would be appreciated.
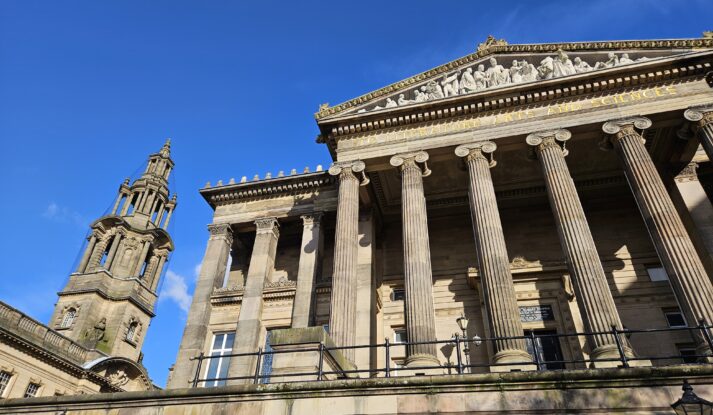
column 690, row 403
column 463, row 325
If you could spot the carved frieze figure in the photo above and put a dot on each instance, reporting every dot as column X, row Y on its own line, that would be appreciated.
column 497, row 74
column 562, row 65
column 546, row 68
column 390, row 103
column 516, row 72
column 625, row 60
column 403, row 101
column 467, row 82
column 481, row 79
column 450, row 84
column 581, row 66
column 612, row 61
column 118, row 378
column 421, row 95
column 528, row 71
column 434, row 90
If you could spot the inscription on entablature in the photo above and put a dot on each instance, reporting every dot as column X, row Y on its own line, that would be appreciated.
column 491, row 120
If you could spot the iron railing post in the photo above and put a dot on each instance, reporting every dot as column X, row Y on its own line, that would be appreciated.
column 535, row 352
column 459, row 361
column 706, row 333
column 620, row 347
column 388, row 357
column 257, row 366
column 198, row 370
column 320, row 368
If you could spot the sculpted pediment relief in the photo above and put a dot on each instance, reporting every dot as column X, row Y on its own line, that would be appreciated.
column 498, row 65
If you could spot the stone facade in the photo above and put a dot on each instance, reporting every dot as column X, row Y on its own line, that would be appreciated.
column 93, row 340
column 497, row 204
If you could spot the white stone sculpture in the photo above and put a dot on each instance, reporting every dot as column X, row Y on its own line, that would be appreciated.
column 561, row 65
column 481, row 79
column 546, row 68
column 624, row 60
column 497, row 75
column 403, row 101
column 516, row 72
column 612, row 60
column 390, row 103
column 467, row 82
column 581, row 66
column 450, row 84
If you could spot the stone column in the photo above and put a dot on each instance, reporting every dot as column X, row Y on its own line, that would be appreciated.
column 702, row 117
column 249, row 330
column 493, row 262
column 211, row 276
column 116, row 204
column 163, row 255
column 418, row 280
column 594, row 298
column 142, row 258
column 87, row 253
column 342, row 314
column 127, row 204
column 112, row 251
column 307, row 272
column 688, row 278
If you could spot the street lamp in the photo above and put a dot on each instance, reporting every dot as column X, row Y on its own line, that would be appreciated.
column 690, row 403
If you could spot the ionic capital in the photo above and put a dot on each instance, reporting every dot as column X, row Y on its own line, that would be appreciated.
column 406, row 160
column 311, row 219
column 626, row 126
column 221, row 231
column 701, row 115
column 268, row 225
column 484, row 150
column 347, row 169
column 544, row 139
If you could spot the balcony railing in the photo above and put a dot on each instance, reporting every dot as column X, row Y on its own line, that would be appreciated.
column 461, row 365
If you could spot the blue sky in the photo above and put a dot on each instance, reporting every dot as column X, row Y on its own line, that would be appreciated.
column 89, row 88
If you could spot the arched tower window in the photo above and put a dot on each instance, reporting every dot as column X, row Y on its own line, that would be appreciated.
column 68, row 318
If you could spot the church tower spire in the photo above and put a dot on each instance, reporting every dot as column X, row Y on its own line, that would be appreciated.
column 109, row 300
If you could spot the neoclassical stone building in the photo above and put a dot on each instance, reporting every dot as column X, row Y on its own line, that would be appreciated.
column 536, row 191
column 93, row 341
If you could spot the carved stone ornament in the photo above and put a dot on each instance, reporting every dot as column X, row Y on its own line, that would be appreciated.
column 617, row 126
column 484, row 149
column 349, row 167
column 118, row 378
column 406, row 159
column 551, row 137
column 688, row 173
column 701, row 115
column 269, row 224
column 312, row 219
column 221, row 231
column 491, row 41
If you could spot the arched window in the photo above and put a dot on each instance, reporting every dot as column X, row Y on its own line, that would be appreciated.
column 68, row 318
column 131, row 333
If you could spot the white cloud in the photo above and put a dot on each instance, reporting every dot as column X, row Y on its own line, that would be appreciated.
column 175, row 289
column 64, row 214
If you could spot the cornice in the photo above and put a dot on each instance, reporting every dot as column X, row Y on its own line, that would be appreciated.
column 288, row 185
column 145, row 308
column 605, row 46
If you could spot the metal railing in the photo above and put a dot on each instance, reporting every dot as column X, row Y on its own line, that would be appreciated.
column 701, row 332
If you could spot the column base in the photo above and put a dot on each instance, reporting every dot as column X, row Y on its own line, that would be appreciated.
column 512, row 360
column 421, row 364
column 610, row 351
column 703, row 349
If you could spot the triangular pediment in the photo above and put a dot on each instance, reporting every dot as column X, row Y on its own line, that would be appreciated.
column 498, row 65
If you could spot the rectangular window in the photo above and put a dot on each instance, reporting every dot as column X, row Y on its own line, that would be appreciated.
column 31, row 390
column 398, row 294
column 674, row 317
column 657, row 273
column 219, row 363
column 400, row 335
column 687, row 354
column 4, row 381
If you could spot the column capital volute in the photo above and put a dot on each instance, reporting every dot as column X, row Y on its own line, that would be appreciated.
column 404, row 160
column 311, row 219
column 221, row 231
column 268, row 225
column 625, row 125
column 345, row 169
column 702, row 114
column 547, row 138
column 484, row 149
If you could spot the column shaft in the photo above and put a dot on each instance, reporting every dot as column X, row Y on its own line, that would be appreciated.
column 673, row 244
column 342, row 314
column 112, row 251
column 211, row 276
column 249, row 329
column 87, row 253
column 594, row 298
column 418, row 279
column 307, row 271
column 493, row 262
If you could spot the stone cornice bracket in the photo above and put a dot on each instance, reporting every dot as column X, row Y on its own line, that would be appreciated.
column 700, row 115
column 312, row 219
column 221, row 231
column 405, row 160
column 483, row 149
column 616, row 129
column 268, row 225
column 349, row 168
column 543, row 139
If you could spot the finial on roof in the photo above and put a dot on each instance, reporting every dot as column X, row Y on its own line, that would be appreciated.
column 281, row 173
column 491, row 41
column 293, row 172
column 243, row 179
column 323, row 107
column 220, row 183
column 127, row 180
column 306, row 170
column 232, row 180
column 207, row 185
column 166, row 149
column 319, row 167
column 174, row 197
column 256, row 177
column 268, row 175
